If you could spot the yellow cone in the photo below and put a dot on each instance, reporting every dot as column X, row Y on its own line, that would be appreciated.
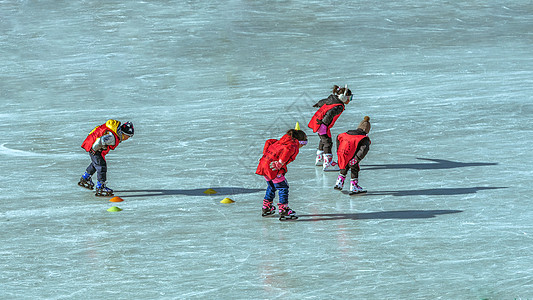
column 210, row 192
column 227, row 200
column 297, row 126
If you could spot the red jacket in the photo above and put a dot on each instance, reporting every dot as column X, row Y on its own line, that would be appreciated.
column 346, row 147
column 319, row 115
column 109, row 126
column 286, row 150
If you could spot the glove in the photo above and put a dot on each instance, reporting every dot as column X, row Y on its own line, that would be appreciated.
column 95, row 152
column 275, row 165
column 319, row 122
column 323, row 129
column 353, row 162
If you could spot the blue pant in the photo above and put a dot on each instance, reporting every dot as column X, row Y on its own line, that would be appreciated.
column 98, row 164
column 281, row 187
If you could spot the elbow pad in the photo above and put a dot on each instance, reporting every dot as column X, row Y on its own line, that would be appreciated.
column 97, row 146
column 102, row 142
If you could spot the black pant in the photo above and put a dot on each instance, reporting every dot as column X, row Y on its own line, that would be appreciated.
column 98, row 164
column 353, row 168
column 325, row 143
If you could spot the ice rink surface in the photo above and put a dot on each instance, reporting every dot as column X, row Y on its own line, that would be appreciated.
column 448, row 87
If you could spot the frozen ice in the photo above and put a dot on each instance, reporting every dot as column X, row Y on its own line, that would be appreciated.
column 448, row 87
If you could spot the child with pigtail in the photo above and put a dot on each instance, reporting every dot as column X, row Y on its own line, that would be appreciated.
column 323, row 120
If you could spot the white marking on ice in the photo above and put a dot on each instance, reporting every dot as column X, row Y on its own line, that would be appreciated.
column 14, row 152
column 21, row 153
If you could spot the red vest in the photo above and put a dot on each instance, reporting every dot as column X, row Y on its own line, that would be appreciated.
column 321, row 112
column 95, row 134
column 347, row 146
column 286, row 150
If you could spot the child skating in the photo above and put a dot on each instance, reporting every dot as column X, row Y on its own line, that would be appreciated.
column 277, row 154
column 352, row 147
column 323, row 120
column 98, row 143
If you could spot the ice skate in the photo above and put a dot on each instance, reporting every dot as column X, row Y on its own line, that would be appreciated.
column 319, row 158
column 340, row 182
column 86, row 181
column 102, row 190
column 329, row 165
column 355, row 188
column 268, row 208
column 285, row 213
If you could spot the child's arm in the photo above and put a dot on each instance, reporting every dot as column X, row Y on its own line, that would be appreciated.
column 364, row 146
column 284, row 157
column 102, row 142
column 330, row 114
column 320, row 103
column 268, row 143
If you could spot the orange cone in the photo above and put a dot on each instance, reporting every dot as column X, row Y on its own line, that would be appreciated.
column 116, row 199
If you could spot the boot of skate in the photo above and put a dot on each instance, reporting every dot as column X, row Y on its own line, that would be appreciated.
column 319, row 158
column 355, row 188
column 329, row 164
column 268, row 208
column 86, row 181
column 340, row 182
column 103, row 190
column 286, row 213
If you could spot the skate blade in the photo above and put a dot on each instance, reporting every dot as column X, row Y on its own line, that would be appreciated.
column 104, row 195
column 288, row 218
column 337, row 188
column 271, row 214
column 89, row 187
column 357, row 193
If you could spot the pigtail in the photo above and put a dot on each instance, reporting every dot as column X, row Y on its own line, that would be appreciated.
column 335, row 90
column 341, row 91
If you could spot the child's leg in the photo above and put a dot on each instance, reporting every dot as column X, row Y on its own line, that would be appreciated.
column 268, row 209
column 354, row 169
column 283, row 188
column 326, row 142
column 344, row 171
column 90, row 169
column 285, row 213
column 86, row 180
column 320, row 144
column 354, row 183
column 339, row 184
column 319, row 153
column 99, row 164
column 270, row 191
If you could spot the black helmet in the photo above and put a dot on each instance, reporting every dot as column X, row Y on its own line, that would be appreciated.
column 127, row 129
